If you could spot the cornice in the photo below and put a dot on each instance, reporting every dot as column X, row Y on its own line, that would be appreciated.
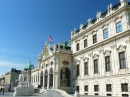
column 104, row 42
column 106, row 19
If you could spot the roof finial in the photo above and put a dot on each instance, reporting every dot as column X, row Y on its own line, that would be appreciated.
column 124, row 2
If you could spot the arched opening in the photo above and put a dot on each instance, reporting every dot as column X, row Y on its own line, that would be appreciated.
column 46, row 78
column 51, row 78
column 65, row 77
column 41, row 79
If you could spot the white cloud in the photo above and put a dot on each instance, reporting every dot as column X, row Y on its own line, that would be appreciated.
column 5, row 66
column 4, row 52
column 10, row 64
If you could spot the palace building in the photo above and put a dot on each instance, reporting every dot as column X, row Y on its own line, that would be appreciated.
column 98, row 60
column 101, row 51
column 54, row 68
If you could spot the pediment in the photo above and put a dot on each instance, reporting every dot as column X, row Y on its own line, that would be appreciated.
column 86, row 59
column 77, row 61
column 107, row 53
column 121, row 48
column 96, row 83
column 95, row 56
column 46, row 51
column 108, row 82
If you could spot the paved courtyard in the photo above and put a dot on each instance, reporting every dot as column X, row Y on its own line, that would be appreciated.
column 50, row 93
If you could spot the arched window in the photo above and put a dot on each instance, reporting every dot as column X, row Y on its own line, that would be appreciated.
column 46, row 78
column 65, row 77
column 41, row 79
column 51, row 78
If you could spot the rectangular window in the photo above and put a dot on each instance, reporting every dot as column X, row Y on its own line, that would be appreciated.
column 105, row 33
column 125, row 95
column 122, row 60
column 85, row 43
column 108, row 87
column 86, row 68
column 78, row 70
column 107, row 63
column 94, row 38
column 96, row 66
column 77, row 47
column 77, row 88
column 109, row 94
column 124, row 87
column 86, row 88
column 96, row 88
column 119, row 27
column 96, row 93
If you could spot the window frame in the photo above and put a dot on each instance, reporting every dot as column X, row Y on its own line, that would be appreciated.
column 124, row 87
column 86, row 68
column 86, row 88
column 107, row 63
column 119, row 27
column 77, row 47
column 108, row 87
column 95, row 66
column 122, row 60
column 85, row 43
column 78, row 69
column 105, row 32
column 96, row 88
column 94, row 38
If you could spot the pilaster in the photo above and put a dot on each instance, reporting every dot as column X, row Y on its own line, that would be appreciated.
column 48, row 81
column 128, row 52
column 81, row 67
column 91, row 64
column 114, row 61
column 101, row 62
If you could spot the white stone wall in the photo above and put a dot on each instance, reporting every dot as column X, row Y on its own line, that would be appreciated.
column 115, row 81
column 35, row 73
column 115, row 43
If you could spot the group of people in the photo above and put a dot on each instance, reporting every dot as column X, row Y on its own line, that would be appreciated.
column 2, row 91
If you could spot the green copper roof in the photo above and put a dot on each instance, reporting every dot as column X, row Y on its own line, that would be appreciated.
column 29, row 66
column 65, row 44
column 51, row 49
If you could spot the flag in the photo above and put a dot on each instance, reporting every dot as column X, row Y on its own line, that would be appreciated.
column 50, row 39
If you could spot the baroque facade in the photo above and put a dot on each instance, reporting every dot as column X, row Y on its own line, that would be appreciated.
column 54, row 69
column 101, row 51
column 98, row 60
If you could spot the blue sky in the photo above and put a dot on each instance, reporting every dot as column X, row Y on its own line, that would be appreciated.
column 25, row 26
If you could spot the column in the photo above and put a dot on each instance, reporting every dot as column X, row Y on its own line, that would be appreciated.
column 43, row 81
column 48, row 80
column 81, row 65
column 114, row 61
column 128, row 53
column 101, row 62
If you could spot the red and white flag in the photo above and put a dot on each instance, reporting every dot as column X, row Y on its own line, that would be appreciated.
column 50, row 39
